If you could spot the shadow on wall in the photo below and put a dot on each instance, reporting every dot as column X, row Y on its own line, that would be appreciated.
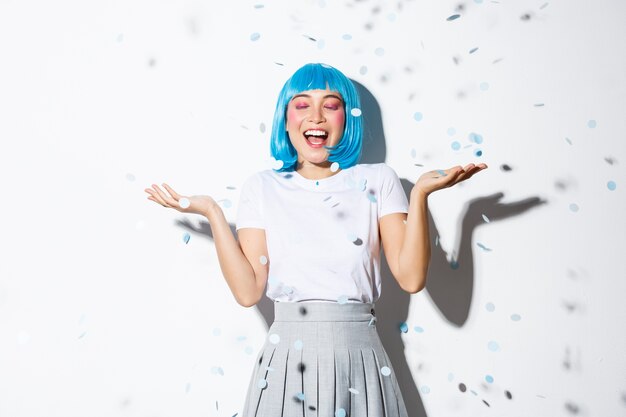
column 449, row 284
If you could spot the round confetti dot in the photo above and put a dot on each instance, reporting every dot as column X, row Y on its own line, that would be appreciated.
column 418, row 329
column 263, row 259
column 413, row 153
column 379, row 51
column 490, row 307
column 274, row 338
column 478, row 152
column 255, row 36
column 262, row 127
column 277, row 163
column 451, row 131
column 300, row 396
column 342, row 299
column 462, row 387
column 391, row 17
column 418, row 116
column 403, row 327
column 334, row 167
column 371, row 197
column 611, row 185
column 385, row 370
column 455, row 146
column 475, row 138
column 288, row 290
column 355, row 112
column 226, row 203
column 352, row 237
column 186, row 238
column 184, row 202
column 489, row 378
column 450, row 376
column 425, row 389
column 493, row 346
column 216, row 332
column 516, row 317
column 592, row 124
column 298, row 344
column 249, row 350
column 484, row 86
column 573, row 207
column 346, row 37
column 340, row 412
column 363, row 70
column 262, row 383
column 321, row 43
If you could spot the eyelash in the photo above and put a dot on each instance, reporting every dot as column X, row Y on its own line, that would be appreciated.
column 304, row 106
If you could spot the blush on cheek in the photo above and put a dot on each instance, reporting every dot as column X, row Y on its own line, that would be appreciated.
column 292, row 114
column 339, row 117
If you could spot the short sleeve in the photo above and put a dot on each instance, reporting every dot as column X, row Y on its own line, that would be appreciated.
column 392, row 196
column 250, row 208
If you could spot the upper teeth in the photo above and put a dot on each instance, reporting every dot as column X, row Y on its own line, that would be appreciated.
column 315, row 132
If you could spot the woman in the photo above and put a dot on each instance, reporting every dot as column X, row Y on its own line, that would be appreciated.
column 309, row 236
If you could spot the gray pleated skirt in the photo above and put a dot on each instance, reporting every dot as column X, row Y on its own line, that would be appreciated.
column 325, row 360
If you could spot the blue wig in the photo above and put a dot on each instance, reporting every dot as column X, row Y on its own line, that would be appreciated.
column 313, row 77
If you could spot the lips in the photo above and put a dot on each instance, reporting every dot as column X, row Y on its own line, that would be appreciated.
column 316, row 137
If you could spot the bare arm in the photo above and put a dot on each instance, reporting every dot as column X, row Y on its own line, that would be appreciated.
column 407, row 247
column 240, row 261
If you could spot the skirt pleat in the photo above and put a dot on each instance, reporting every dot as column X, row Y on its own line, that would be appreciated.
column 323, row 360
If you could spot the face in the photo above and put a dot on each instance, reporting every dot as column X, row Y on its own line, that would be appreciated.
column 315, row 118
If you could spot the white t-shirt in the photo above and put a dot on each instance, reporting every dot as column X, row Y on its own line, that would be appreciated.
column 322, row 235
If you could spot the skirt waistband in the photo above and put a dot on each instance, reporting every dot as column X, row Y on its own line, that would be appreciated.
column 323, row 311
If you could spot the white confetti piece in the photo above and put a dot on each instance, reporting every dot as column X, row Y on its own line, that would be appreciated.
column 184, row 202
column 385, row 370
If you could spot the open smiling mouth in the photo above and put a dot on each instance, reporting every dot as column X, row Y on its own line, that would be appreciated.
column 316, row 137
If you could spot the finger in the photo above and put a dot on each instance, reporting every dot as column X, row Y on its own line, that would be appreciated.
column 155, row 200
column 159, row 196
column 172, row 192
column 169, row 200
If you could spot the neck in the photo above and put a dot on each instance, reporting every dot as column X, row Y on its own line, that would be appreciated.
column 315, row 171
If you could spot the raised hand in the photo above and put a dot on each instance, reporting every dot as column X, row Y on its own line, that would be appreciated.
column 432, row 181
column 198, row 204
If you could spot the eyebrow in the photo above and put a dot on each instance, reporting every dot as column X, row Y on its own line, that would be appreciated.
column 308, row 96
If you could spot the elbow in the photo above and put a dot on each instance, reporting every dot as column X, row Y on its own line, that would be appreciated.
column 415, row 285
column 246, row 302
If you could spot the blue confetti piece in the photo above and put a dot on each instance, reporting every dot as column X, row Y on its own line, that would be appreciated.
column 363, row 70
column 573, row 207
column 453, row 17
column 371, row 197
column 340, row 413
column 493, row 346
column 483, row 247
column 372, row 321
column 298, row 344
column 489, row 378
column 485, row 218
column 226, row 203
column 418, row 116
column 418, row 329
column 346, row 37
column 404, row 327
column 592, row 124
column 249, row 350
column 454, row 264
column 262, row 384
column 425, row 389
column 321, row 43
column 82, row 335
column 538, row 104
column 490, row 306
column 478, row 152
column 216, row 332
column 362, row 184
column 413, row 153
column 255, row 36
column 450, row 376
column 379, row 51
column 187, row 387
column 300, row 396
column 473, row 50
column 385, row 370
column 455, row 145
column 441, row 172
column 342, row 299
column 259, row 6
column 611, row 185
column 484, row 86
column 437, row 240
column 451, row 131
column 186, row 238
column 568, row 140
column 516, row 317
column 475, row 138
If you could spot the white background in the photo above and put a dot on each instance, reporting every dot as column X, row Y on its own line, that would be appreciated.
column 105, row 311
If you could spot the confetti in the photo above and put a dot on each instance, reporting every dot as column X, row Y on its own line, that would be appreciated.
column 263, row 259
column 274, row 338
column 385, row 370
column 262, row 383
column 425, row 389
column 342, row 299
column 334, row 167
column 493, row 346
column 404, row 327
column 573, row 207
column 451, row 131
column 277, row 163
column 489, row 378
column 473, row 50
column 475, row 138
column 516, row 317
column 362, row 184
column 490, row 306
column 186, row 237
column 371, row 197
column 379, row 51
column 413, row 153
column 592, row 124
column 484, row 86
column 353, row 390
column 346, row 37
column 455, row 145
column 611, row 185
column 418, row 116
column 485, row 218
column 363, row 70
column 418, row 329
column 340, row 413
column 184, row 202
column 255, row 36
column 453, row 17
column 298, row 344
column 483, row 247
column 226, row 203
column 300, row 396
column 262, row 127
column 355, row 112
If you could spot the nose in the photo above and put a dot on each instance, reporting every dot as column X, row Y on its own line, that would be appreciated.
column 316, row 115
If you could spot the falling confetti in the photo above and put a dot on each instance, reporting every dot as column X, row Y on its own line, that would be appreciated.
column 186, row 238
column 453, row 17
column 355, row 112
column 262, row 383
column 404, row 327
column 298, row 344
column 226, row 203
column 255, row 36
column 592, row 124
column 340, row 413
column 371, row 197
column 385, row 370
column 334, row 167
column 418, row 116
column 262, row 127
column 353, row 390
column 418, row 329
column 473, row 50
column 425, row 389
column 490, row 306
column 263, row 259
column 489, row 378
column 573, row 207
column 493, row 346
column 516, row 317
column 277, row 163
column 451, row 131
column 363, row 70
column 184, row 202
column 455, row 145
column 611, row 185
column 346, row 37
column 485, row 218
column 483, row 247
column 300, row 396
column 274, row 338
column 484, row 86
column 379, row 51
